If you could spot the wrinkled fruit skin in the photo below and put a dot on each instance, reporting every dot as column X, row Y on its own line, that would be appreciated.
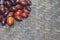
column 10, row 21
column 11, row 10
column 19, row 18
column 10, row 14
column 29, row 2
column 8, row 4
column 18, row 15
column 26, row 11
column 19, row 7
column 25, row 15
column 23, row 2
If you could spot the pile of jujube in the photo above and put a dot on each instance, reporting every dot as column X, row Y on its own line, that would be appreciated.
column 14, row 9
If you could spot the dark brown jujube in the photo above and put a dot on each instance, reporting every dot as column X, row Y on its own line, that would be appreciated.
column 29, row 2
column 19, row 7
column 1, row 17
column 19, row 18
column 25, row 15
column 2, row 9
column 13, row 2
column 10, row 14
column 28, row 8
column 26, row 11
column 23, row 2
column 6, row 13
column 17, row 1
column 8, row 4
column 14, row 9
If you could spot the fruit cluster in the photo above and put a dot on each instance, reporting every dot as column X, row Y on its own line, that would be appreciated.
column 14, row 9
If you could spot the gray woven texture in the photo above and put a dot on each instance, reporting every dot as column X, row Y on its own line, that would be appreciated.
column 43, row 23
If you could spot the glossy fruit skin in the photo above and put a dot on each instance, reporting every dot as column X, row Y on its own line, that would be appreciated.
column 19, row 7
column 23, row 2
column 13, row 2
column 26, row 11
column 3, row 21
column 2, row 9
column 12, row 9
column 10, row 21
column 17, row 1
column 19, row 18
column 8, row 4
column 18, row 15
column 25, row 15
column 10, row 14
column 6, row 13
column 6, row 9
column 28, row 8
column 29, row 2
